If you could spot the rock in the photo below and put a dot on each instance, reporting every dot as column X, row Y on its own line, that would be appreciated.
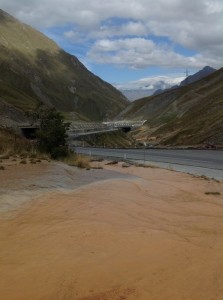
column 113, row 162
column 126, row 165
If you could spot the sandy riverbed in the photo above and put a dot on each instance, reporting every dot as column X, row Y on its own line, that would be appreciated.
column 143, row 233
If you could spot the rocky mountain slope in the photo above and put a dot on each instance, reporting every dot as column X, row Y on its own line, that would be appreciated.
column 189, row 79
column 188, row 115
column 34, row 69
column 197, row 76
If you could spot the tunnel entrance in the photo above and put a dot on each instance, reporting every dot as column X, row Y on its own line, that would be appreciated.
column 29, row 132
column 126, row 128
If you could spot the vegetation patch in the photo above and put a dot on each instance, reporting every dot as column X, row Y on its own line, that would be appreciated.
column 82, row 162
column 146, row 166
column 97, row 167
column 113, row 162
column 99, row 159
column 23, row 161
column 169, row 117
column 51, row 135
column 51, row 142
column 77, row 160
column 4, row 156
column 12, row 144
column 212, row 193
column 116, row 139
column 33, row 161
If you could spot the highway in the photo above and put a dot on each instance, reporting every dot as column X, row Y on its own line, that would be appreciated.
column 206, row 162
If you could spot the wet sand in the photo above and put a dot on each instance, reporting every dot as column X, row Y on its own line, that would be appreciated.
column 143, row 233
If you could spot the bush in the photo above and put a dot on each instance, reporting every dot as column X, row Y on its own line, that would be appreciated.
column 60, row 151
column 52, row 133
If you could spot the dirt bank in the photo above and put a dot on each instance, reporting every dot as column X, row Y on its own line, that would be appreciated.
column 154, row 237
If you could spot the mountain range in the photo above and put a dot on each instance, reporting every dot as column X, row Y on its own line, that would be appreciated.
column 147, row 86
column 155, row 85
column 35, row 70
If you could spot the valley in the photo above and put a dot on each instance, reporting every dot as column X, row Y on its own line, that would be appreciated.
column 103, row 197
column 35, row 71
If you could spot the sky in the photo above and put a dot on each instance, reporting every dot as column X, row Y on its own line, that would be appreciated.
column 127, row 42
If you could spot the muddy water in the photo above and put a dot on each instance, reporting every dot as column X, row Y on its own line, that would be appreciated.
column 150, row 235
column 22, row 183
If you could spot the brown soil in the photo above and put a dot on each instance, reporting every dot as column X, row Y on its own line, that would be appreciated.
column 154, row 237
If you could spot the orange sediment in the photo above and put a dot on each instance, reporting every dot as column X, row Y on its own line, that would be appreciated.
column 158, row 237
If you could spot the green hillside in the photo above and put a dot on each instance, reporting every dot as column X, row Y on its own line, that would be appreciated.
column 187, row 115
column 34, row 69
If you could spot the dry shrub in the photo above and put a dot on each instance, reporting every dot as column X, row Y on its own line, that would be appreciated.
column 113, row 162
column 77, row 160
column 97, row 167
column 212, row 193
column 82, row 162
column 23, row 161
column 18, row 146
column 33, row 155
column 12, row 144
column 44, row 156
column 34, row 160
column 4, row 156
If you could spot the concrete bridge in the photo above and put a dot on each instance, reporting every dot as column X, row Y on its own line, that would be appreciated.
column 78, row 129
column 125, row 123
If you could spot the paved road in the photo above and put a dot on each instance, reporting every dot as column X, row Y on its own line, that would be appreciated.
column 210, row 161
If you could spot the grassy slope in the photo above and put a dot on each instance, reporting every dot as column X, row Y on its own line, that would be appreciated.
column 34, row 68
column 110, row 139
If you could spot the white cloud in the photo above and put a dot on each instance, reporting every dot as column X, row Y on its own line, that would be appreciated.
column 145, row 87
column 129, row 28
column 151, row 83
column 196, row 25
column 107, row 30
column 140, row 53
